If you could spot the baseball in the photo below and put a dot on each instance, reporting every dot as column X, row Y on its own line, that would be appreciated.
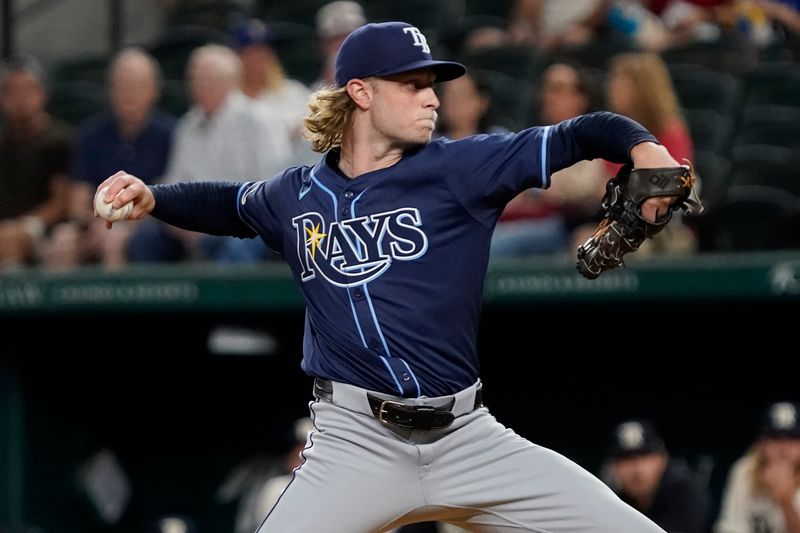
column 107, row 210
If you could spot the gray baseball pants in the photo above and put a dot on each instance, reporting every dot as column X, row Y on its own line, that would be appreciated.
column 363, row 476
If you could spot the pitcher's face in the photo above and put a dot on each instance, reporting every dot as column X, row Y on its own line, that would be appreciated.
column 405, row 105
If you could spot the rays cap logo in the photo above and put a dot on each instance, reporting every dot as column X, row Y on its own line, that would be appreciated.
column 386, row 48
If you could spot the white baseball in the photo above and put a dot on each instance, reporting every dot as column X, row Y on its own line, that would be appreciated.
column 107, row 210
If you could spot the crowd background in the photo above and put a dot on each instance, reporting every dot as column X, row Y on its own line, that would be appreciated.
column 153, row 430
column 217, row 90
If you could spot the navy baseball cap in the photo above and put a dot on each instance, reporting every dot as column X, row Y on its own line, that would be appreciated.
column 781, row 420
column 250, row 32
column 385, row 48
column 635, row 437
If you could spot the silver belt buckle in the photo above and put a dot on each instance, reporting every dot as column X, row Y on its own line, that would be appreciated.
column 382, row 411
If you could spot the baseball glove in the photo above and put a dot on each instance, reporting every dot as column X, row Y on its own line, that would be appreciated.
column 623, row 229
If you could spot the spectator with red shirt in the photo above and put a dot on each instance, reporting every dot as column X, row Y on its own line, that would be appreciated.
column 639, row 86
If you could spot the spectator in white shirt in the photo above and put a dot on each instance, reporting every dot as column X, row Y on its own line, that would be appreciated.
column 335, row 20
column 763, row 490
column 224, row 136
column 264, row 78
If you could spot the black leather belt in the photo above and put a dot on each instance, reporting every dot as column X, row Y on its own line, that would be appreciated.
column 411, row 416
column 396, row 413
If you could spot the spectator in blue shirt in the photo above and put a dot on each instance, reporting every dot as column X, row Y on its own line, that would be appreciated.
column 132, row 133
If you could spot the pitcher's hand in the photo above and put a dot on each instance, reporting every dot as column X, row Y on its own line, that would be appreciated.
column 124, row 188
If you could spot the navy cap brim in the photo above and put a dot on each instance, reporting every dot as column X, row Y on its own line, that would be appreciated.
column 444, row 70
column 771, row 433
column 638, row 452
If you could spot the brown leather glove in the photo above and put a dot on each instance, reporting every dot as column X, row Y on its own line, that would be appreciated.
column 623, row 228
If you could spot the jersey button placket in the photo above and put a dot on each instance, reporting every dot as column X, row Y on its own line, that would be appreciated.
column 348, row 194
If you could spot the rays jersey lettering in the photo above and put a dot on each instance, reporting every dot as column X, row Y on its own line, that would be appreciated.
column 351, row 252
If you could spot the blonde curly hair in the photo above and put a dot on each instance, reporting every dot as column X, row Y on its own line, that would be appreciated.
column 330, row 111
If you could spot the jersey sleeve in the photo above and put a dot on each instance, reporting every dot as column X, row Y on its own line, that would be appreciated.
column 486, row 171
column 258, row 204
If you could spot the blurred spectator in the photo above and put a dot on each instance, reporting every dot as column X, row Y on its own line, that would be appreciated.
column 757, row 22
column 224, row 136
column 739, row 21
column 784, row 13
column 762, row 494
column 566, row 90
column 687, row 20
column 539, row 222
column 661, row 487
column 466, row 108
column 264, row 79
column 553, row 24
column 658, row 24
column 747, row 19
column 335, row 21
column 639, row 86
column 65, row 246
column 131, row 134
column 259, row 482
column 643, row 27
column 34, row 162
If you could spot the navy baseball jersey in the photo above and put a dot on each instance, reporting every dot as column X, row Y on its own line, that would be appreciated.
column 391, row 264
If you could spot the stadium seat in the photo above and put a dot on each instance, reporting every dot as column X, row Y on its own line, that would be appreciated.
column 425, row 14
column 711, row 131
column 599, row 53
column 174, row 97
column 752, row 217
column 81, row 68
column 494, row 8
column 772, row 125
column 298, row 50
column 215, row 14
column 699, row 87
column 765, row 165
column 713, row 174
column 511, row 99
column 521, row 62
column 730, row 53
column 774, row 83
column 73, row 101
column 296, row 11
